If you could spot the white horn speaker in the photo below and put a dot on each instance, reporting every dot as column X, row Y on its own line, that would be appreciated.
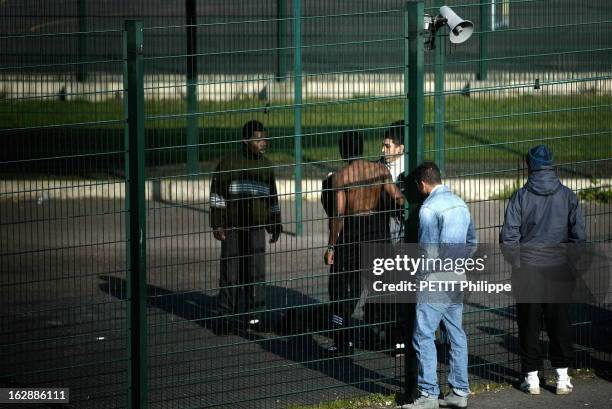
column 460, row 29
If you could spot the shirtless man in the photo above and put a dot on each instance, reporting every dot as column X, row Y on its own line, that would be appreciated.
column 354, row 221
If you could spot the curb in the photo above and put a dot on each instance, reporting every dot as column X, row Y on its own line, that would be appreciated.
column 198, row 191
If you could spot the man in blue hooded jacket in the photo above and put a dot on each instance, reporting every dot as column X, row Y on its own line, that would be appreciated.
column 540, row 215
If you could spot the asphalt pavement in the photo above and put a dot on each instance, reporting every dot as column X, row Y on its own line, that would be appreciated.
column 591, row 392
column 64, row 316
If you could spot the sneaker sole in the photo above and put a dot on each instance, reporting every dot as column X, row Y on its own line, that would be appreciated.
column 452, row 406
column 532, row 391
column 564, row 391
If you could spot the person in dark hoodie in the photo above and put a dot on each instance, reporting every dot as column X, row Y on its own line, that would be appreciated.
column 540, row 217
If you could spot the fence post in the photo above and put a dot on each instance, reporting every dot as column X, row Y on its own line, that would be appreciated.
column 193, row 148
column 406, row 96
column 297, row 91
column 82, row 68
column 281, row 33
column 439, row 99
column 483, row 64
column 413, row 140
column 136, row 279
column 414, row 82
column 126, row 167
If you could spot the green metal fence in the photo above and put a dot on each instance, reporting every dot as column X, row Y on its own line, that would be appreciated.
column 112, row 130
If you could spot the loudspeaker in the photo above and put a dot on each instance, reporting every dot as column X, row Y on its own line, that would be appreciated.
column 460, row 29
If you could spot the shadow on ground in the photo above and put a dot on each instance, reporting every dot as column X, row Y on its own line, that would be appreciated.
column 289, row 332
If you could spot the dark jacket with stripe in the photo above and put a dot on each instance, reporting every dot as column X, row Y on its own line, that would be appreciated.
column 243, row 193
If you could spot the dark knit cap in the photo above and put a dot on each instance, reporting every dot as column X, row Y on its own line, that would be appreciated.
column 539, row 157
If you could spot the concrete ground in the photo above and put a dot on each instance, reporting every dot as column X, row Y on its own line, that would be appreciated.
column 64, row 321
column 591, row 392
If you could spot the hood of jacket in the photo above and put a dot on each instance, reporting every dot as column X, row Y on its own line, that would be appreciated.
column 543, row 182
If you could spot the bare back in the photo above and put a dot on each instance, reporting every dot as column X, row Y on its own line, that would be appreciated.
column 361, row 183
column 358, row 186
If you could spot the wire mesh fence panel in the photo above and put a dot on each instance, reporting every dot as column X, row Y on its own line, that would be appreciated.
column 62, row 217
column 519, row 82
column 254, row 316
column 255, row 118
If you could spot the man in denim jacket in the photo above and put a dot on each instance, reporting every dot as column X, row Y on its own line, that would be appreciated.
column 443, row 219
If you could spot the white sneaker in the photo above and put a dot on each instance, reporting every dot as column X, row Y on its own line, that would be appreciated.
column 564, row 386
column 531, row 384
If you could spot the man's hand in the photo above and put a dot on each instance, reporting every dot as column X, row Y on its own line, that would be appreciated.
column 219, row 233
column 275, row 234
column 328, row 258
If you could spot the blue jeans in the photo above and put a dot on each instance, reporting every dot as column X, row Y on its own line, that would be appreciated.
column 428, row 317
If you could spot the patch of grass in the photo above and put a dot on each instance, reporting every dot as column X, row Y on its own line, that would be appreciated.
column 597, row 194
column 369, row 402
column 480, row 387
column 477, row 130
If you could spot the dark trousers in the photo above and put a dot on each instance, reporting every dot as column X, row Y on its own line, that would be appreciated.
column 555, row 317
column 345, row 279
column 344, row 289
column 406, row 320
column 243, row 274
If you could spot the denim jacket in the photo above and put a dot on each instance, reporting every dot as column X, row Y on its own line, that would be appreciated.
column 446, row 230
column 445, row 219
